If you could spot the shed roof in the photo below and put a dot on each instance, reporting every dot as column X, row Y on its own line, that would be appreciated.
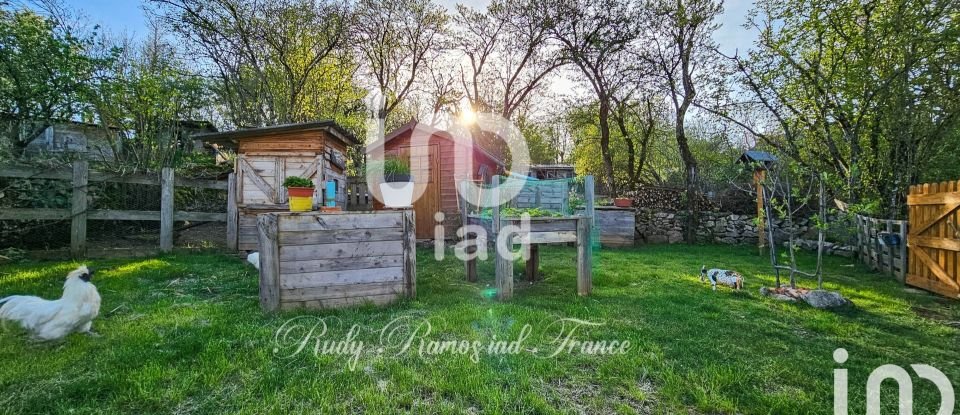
column 329, row 126
column 414, row 124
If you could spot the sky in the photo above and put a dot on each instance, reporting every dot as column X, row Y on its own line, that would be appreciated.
column 127, row 17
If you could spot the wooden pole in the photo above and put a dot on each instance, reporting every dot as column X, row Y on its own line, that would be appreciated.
column 233, row 217
column 166, row 209
column 758, row 177
column 588, row 203
column 533, row 263
column 78, row 209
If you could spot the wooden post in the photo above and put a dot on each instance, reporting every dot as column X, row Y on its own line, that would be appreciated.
column 889, row 229
column 410, row 252
column 902, row 275
column 503, row 260
column 588, row 202
column 758, row 177
column 584, row 258
column 166, row 209
column 267, row 229
column 470, row 265
column 232, row 215
column 533, row 263
column 78, row 209
column 585, row 240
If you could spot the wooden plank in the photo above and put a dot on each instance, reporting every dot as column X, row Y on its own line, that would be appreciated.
column 279, row 175
column 925, row 283
column 269, row 263
column 290, row 238
column 934, row 197
column 340, row 277
column 94, row 176
column 342, row 251
column 233, row 217
column 548, row 237
column 410, row 253
column 340, row 302
column 166, row 209
column 336, row 264
column 341, row 291
column 350, row 220
column 35, row 214
column 78, row 210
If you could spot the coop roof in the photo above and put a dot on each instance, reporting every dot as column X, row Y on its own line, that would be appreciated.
column 328, row 126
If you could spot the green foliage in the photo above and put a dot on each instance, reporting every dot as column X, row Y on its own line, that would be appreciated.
column 863, row 90
column 297, row 181
column 146, row 94
column 45, row 73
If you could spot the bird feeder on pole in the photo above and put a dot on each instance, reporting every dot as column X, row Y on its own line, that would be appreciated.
column 761, row 161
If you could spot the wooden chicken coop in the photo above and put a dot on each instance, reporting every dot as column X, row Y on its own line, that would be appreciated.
column 268, row 155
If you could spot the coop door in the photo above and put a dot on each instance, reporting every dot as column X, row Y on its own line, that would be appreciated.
column 262, row 176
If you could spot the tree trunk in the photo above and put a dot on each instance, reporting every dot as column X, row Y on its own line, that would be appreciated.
column 605, row 145
column 690, row 177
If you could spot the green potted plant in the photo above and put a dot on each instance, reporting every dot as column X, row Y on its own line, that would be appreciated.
column 623, row 202
column 397, row 186
column 300, row 192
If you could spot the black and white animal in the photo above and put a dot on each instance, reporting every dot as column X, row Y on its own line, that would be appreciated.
column 721, row 276
column 55, row 319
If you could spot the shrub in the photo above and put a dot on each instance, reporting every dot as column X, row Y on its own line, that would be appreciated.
column 297, row 181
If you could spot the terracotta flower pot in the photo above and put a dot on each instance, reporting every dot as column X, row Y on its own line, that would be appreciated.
column 623, row 202
column 301, row 199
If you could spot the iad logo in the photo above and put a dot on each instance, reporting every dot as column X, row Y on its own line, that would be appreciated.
column 904, row 386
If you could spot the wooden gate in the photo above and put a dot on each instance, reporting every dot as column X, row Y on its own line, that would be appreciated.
column 934, row 238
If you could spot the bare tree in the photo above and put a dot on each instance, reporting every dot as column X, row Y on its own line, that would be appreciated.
column 509, row 54
column 681, row 31
column 598, row 37
column 397, row 41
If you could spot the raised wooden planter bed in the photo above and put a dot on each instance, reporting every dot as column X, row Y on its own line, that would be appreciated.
column 616, row 226
column 542, row 230
column 330, row 260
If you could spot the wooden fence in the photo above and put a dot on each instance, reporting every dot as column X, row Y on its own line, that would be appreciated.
column 878, row 255
column 934, row 239
column 78, row 213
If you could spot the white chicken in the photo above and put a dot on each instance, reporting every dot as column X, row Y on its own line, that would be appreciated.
column 55, row 319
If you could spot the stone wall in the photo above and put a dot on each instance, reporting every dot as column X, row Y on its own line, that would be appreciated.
column 717, row 227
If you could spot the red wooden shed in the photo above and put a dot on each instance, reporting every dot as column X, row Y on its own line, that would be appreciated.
column 436, row 171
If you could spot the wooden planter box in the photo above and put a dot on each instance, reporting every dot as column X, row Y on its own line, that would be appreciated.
column 330, row 260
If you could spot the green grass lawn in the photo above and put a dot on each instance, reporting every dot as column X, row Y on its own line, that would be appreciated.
column 184, row 334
